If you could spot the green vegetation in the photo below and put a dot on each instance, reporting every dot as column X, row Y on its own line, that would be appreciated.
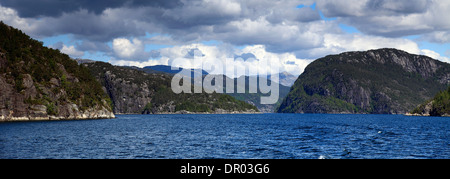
column 52, row 109
column 255, row 98
column 366, row 82
column 148, row 107
column 440, row 105
column 317, row 103
column 57, row 78
column 163, row 99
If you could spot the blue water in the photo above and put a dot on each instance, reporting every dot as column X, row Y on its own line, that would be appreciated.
column 260, row 136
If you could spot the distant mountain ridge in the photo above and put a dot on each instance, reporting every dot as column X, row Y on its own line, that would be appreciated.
column 286, row 79
column 383, row 81
column 168, row 69
column 252, row 98
column 133, row 91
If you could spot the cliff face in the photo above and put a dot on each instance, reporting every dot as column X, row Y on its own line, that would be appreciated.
column 384, row 81
column 37, row 83
column 133, row 91
column 128, row 89
column 25, row 106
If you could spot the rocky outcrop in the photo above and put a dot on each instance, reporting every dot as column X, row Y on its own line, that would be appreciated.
column 127, row 97
column 23, row 106
column 438, row 106
column 38, row 83
column 134, row 91
column 384, row 81
column 423, row 110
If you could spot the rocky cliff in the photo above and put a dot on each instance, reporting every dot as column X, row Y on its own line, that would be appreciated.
column 38, row 83
column 134, row 91
column 384, row 81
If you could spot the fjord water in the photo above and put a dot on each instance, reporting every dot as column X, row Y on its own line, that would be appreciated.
column 238, row 136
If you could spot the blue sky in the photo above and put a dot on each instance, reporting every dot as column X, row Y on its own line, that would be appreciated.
column 68, row 40
column 294, row 32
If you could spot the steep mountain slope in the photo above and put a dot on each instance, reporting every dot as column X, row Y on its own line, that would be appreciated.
column 38, row 83
column 133, row 91
column 384, row 81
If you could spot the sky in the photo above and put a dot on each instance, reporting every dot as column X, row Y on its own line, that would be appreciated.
column 291, row 32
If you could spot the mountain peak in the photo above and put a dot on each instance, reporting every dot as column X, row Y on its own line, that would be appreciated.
column 421, row 64
column 376, row 81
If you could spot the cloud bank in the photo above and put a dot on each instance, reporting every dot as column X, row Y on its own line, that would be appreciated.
column 138, row 32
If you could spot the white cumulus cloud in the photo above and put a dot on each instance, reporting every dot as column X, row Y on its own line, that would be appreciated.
column 71, row 51
column 130, row 50
column 208, row 54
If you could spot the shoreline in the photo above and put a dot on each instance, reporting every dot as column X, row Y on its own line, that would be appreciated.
column 188, row 112
column 55, row 118
column 52, row 118
column 425, row 115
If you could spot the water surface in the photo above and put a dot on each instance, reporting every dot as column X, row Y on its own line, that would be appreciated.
column 255, row 136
